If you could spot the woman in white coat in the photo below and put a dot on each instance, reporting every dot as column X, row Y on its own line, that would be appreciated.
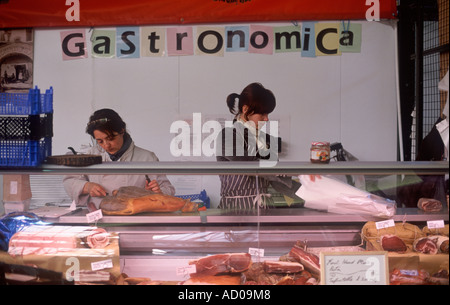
column 114, row 144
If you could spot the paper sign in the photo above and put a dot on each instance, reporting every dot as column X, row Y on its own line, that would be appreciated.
column 128, row 45
column 287, row 39
column 180, row 41
column 103, row 43
column 256, row 252
column 153, row 41
column 350, row 37
column 261, row 39
column 13, row 187
column 384, row 224
column 354, row 268
column 237, row 38
column 435, row 224
column 101, row 265
column 327, row 39
column 94, row 216
column 185, row 270
column 309, row 39
column 210, row 41
column 73, row 44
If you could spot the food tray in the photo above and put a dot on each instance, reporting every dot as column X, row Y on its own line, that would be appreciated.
column 29, row 103
column 20, row 153
column 32, row 127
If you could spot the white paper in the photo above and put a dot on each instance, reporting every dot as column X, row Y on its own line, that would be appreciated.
column 334, row 196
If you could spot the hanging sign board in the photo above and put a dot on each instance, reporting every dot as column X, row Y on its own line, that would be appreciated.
column 70, row 13
column 354, row 268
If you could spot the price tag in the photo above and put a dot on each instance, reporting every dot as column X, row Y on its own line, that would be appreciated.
column 256, row 252
column 94, row 216
column 385, row 224
column 435, row 224
column 185, row 270
column 409, row 272
column 101, row 265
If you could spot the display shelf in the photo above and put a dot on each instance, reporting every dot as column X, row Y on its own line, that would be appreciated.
column 282, row 215
column 232, row 168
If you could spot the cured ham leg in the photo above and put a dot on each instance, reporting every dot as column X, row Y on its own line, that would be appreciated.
column 134, row 200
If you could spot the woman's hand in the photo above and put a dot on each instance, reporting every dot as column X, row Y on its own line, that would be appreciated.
column 94, row 189
column 153, row 186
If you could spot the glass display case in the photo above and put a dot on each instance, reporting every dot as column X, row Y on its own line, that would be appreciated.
column 162, row 245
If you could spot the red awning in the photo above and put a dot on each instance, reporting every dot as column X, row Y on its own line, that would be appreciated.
column 52, row 13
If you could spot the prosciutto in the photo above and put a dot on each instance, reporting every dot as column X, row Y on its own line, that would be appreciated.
column 309, row 260
column 222, row 264
column 97, row 239
column 429, row 205
column 393, row 243
column 431, row 244
column 282, row 267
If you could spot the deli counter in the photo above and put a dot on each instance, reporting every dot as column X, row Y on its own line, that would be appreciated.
column 160, row 247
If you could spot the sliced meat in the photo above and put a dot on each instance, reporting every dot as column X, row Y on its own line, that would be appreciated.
column 309, row 260
column 393, row 243
column 429, row 205
column 222, row 264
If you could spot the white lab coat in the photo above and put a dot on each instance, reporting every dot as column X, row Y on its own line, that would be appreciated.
column 74, row 184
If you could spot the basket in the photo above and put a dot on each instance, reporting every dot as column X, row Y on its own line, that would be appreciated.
column 202, row 196
column 30, row 103
column 21, row 153
column 32, row 127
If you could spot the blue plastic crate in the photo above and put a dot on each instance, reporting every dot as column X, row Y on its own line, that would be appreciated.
column 20, row 153
column 202, row 196
column 29, row 103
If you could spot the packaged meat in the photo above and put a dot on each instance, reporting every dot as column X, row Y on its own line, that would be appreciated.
column 51, row 239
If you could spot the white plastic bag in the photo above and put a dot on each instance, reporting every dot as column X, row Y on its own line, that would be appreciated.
column 327, row 194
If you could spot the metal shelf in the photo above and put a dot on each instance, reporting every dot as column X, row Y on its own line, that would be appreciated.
column 232, row 168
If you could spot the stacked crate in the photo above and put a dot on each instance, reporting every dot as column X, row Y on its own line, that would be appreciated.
column 26, row 128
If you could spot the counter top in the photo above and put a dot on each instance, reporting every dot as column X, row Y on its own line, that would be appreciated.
column 270, row 216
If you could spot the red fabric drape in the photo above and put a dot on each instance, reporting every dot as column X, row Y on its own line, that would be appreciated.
column 52, row 13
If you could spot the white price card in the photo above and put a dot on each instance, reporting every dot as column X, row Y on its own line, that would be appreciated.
column 435, row 224
column 94, row 216
column 256, row 252
column 101, row 265
column 185, row 270
column 354, row 268
column 385, row 224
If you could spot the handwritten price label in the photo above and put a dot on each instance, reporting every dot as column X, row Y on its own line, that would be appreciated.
column 256, row 252
column 384, row 224
column 435, row 224
column 101, row 265
column 185, row 270
column 94, row 216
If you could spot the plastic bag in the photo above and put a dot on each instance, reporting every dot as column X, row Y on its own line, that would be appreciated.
column 15, row 222
column 334, row 196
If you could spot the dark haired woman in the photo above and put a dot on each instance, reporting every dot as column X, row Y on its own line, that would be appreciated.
column 114, row 143
column 246, row 142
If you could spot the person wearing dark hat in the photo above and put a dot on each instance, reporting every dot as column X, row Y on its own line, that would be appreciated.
column 245, row 141
column 114, row 144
